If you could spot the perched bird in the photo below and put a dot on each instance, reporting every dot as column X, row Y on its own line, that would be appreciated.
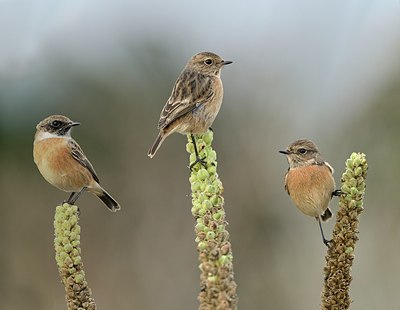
column 195, row 100
column 309, row 181
column 62, row 162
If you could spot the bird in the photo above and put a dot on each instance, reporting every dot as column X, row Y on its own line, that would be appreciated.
column 194, row 102
column 309, row 181
column 62, row 162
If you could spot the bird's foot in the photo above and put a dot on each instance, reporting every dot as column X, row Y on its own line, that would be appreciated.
column 198, row 160
column 337, row 193
column 327, row 242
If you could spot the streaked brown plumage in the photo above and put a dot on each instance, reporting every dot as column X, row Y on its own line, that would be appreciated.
column 309, row 180
column 195, row 99
column 62, row 162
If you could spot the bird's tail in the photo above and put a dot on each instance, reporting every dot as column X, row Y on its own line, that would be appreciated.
column 156, row 145
column 106, row 198
column 326, row 215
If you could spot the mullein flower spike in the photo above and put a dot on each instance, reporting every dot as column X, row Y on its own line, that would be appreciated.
column 68, row 257
column 340, row 256
column 218, row 288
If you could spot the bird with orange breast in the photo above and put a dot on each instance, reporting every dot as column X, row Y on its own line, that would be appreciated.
column 62, row 162
column 309, row 181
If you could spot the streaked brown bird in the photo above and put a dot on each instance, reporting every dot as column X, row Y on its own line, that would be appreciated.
column 62, row 162
column 309, row 181
column 195, row 100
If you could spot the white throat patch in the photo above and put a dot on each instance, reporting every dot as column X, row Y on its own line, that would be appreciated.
column 43, row 135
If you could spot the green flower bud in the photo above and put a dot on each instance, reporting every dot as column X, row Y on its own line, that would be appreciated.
column 349, row 250
column 193, row 178
column 352, row 182
column 202, row 174
column 224, row 259
column 358, row 171
column 348, row 174
column 210, row 235
column 216, row 216
column 211, row 189
column 200, row 143
column 207, row 204
column 202, row 211
column 79, row 278
column 71, row 270
column 208, row 137
column 195, row 186
column 212, row 169
column 73, row 220
column 202, row 245
column 354, row 191
column 221, row 228
column 194, row 210
column 68, row 247
column 189, row 147
column 77, row 260
column 212, row 156
column 75, row 252
column 200, row 226
column 214, row 199
column 212, row 279
column 192, row 158
column 345, row 188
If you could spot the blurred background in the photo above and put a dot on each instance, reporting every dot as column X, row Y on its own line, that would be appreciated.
column 324, row 70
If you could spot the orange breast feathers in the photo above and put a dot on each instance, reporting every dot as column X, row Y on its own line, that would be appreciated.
column 310, row 188
column 56, row 164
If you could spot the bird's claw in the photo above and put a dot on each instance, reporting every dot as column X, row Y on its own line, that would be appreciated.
column 327, row 242
column 198, row 160
column 337, row 193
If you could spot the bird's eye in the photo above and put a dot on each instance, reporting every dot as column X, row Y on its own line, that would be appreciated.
column 302, row 151
column 208, row 61
column 55, row 124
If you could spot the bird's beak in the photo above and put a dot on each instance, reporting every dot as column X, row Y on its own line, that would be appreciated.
column 226, row 62
column 284, row 152
column 73, row 124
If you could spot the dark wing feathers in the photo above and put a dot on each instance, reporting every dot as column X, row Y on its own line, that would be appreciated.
column 78, row 155
column 191, row 90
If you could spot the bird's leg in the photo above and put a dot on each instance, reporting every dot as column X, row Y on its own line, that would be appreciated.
column 324, row 240
column 337, row 193
column 198, row 159
column 71, row 200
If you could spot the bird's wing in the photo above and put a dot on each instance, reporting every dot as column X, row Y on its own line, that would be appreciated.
column 80, row 157
column 329, row 166
column 286, row 187
column 191, row 90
